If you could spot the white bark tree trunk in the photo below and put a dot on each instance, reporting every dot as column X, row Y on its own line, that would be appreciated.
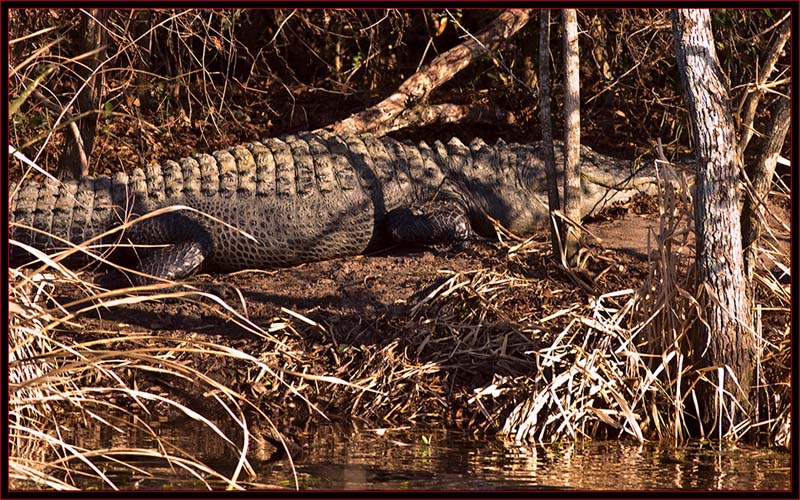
column 572, row 133
column 723, row 337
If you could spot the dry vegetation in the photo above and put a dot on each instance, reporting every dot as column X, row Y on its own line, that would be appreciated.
column 562, row 366
column 569, row 367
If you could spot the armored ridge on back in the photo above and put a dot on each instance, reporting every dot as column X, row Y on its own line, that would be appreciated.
column 309, row 197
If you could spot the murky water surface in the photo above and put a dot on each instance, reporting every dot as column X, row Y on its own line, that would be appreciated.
column 334, row 459
column 454, row 461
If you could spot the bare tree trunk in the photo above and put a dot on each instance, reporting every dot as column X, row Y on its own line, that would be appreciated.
column 80, row 138
column 439, row 71
column 546, row 121
column 723, row 336
column 760, row 177
column 572, row 134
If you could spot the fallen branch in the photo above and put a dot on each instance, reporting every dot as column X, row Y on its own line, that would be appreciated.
column 430, row 114
column 440, row 70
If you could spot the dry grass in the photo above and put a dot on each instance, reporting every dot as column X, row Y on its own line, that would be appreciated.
column 62, row 376
column 530, row 358
column 620, row 366
column 57, row 385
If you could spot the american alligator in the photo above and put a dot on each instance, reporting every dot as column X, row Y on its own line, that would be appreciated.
column 281, row 202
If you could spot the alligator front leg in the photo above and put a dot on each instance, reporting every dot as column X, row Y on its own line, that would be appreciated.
column 442, row 222
column 171, row 262
column 171, row 246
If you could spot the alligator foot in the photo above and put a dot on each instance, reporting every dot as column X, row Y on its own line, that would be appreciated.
column 171, row 262
column 443, row 223
column 176, row 247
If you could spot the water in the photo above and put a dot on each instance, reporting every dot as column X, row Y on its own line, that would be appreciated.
column 455, row 461
column 403, row 459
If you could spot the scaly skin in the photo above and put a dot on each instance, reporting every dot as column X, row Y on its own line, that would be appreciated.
column 306, row 198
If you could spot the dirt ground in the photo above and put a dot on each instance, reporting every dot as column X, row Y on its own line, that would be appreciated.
column 348, row 292
column 368, row 301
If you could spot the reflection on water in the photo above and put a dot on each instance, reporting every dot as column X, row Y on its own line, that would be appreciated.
column 335, row 459
column 454, row 461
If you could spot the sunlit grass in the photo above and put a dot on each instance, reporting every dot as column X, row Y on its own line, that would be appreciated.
column 571, row 367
